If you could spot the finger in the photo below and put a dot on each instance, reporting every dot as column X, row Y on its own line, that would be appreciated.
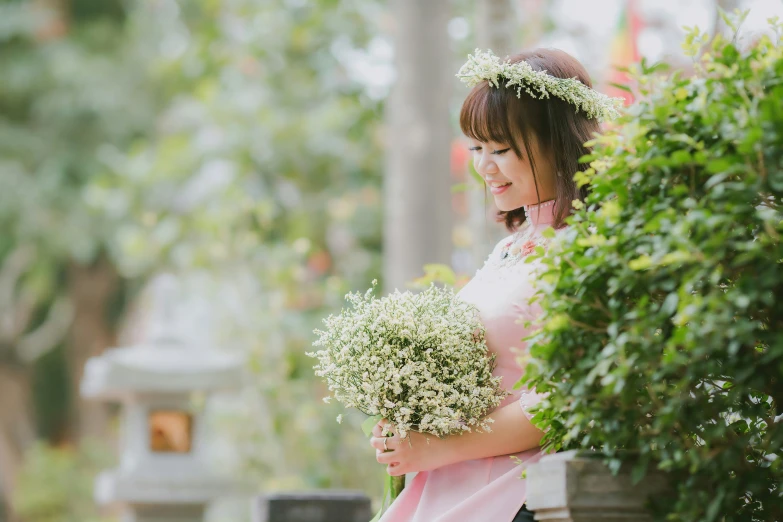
column 387, row 457
column 383, row 457
column 392, row 443
column 377, row 443
column 395, row 469
column 387, row 428
column 377, row 430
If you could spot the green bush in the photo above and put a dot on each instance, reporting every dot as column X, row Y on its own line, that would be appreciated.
column 662, row 332
column 56, row 484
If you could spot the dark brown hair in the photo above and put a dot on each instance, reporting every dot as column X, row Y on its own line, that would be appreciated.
column 498, row 115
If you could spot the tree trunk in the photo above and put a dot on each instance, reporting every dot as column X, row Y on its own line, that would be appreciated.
column 418, row 216
column 17, row 432
column 91, row 289
column 496, row 24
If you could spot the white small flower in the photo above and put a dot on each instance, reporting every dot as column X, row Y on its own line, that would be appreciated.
column 413, row 358
column 340, row 419
column 485, row 66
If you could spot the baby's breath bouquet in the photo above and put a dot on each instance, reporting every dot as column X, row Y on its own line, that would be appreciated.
column 418, row 360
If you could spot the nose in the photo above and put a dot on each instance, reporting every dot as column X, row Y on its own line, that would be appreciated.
column 485, row 164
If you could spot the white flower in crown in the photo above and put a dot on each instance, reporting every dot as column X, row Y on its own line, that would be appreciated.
column 485, row 66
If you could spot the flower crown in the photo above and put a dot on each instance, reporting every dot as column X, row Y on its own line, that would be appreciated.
column 485, row 66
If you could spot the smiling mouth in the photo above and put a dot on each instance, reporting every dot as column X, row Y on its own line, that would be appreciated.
column 498, row 185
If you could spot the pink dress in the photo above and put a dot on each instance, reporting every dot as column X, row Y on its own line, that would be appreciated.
column 489, row 489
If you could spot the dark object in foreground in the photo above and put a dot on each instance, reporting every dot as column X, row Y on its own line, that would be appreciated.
column 313, row 506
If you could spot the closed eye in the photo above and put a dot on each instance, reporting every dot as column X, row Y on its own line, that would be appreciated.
column 498, row 152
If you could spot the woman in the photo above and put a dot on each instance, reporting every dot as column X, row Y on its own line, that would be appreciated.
column 526, row 147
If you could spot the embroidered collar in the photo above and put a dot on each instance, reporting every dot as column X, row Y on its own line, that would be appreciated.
column 541, row 213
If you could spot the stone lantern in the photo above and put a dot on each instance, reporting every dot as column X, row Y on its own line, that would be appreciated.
column 164, row 474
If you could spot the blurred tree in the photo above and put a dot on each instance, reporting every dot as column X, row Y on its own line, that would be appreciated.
column 497, row 28
column 237, row 136
column 72, row 83
column 265, row 172
column 416, row 187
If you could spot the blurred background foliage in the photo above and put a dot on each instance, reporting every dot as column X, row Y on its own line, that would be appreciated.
column 264, row 170
column 56, row 484
column 219, row 136
column 240, row 145
column 73, row 81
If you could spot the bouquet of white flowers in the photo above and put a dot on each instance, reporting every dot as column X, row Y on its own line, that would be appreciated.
column 418, row 360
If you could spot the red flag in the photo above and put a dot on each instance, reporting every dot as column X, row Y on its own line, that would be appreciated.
column 624, row 50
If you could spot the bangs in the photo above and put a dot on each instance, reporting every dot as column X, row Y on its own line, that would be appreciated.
column 484, row 116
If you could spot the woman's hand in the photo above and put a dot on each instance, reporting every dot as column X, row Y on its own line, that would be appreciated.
column 416, row 452
column 511, row 433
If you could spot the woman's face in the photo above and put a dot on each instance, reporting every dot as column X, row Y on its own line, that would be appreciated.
column 509, row 178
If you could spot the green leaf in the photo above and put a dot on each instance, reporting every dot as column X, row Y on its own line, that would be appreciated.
column 639, row 471
column 369, row 424
column 669, row 305
column 475, row 175
column 719, row 165
column 621, row 86
column 640, row 263
column 715, row 506
column 436, row 273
